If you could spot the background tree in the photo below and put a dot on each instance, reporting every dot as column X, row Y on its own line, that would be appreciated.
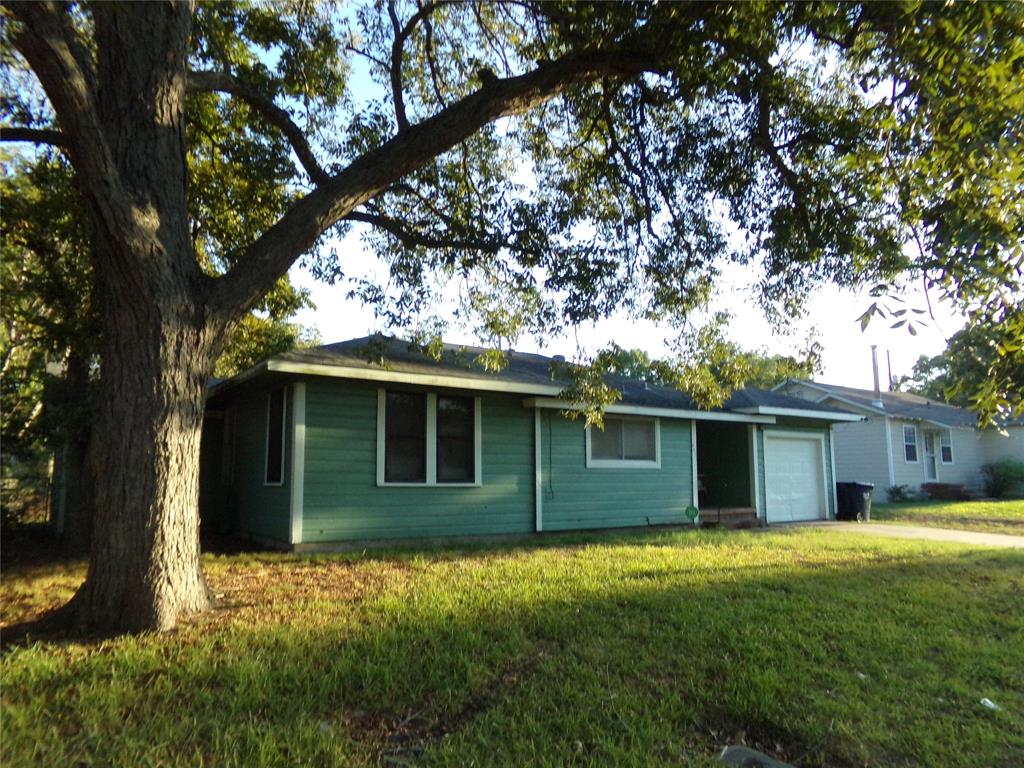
column 979, row 362
column 593, row 156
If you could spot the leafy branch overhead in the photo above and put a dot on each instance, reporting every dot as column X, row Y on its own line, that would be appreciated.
column 581, row 158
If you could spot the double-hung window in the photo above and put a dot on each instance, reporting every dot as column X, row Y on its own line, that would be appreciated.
column 625, row 442
column 427, row 439
column 910, row 444
column 946, row 447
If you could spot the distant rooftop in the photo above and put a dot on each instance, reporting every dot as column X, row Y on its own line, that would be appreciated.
column 900, row 404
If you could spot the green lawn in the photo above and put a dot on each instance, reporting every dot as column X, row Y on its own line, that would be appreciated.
column 990, row 516
column 821, row 648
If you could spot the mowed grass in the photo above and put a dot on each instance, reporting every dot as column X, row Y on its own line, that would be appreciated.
column 820, row 648
column 988, row 516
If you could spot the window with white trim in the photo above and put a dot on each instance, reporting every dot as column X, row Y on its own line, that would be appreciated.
column 274, row 471
column 428, row 439
column 946, row 447
column 910, row 444
column 624, row 442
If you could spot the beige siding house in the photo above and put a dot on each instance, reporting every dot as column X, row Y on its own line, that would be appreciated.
column 909, row 440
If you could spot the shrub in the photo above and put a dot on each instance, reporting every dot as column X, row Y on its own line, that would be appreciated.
column 1004, row 479
column 898, row 493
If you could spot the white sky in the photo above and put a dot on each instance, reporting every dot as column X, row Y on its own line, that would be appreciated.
column 832, row 314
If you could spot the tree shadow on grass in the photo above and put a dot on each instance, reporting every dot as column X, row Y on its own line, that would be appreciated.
column 627, row 658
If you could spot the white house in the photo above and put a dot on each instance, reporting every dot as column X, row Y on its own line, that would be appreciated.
column 907, row 439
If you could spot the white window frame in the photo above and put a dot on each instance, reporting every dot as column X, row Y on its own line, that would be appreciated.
column 284, row 433
column 946, row 438
column 917, row 444
column 431, row 447
column 593, row 463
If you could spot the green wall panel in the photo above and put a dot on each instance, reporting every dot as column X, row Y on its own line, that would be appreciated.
column 342, row 500
column 576, row 497
column 259, row 510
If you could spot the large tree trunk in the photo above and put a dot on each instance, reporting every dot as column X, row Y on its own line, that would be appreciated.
column 144, row 572
column 160, row 335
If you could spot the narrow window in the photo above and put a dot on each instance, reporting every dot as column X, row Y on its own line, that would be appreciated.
column 405, row 441
column 275, row 438
column 455, row 445
column 623, row 442
column 946, row 447
column 910, row 445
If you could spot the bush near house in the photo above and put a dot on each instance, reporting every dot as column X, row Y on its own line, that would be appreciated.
column 1004, row 479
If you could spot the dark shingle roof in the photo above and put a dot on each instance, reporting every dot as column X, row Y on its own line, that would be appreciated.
column 378, row 351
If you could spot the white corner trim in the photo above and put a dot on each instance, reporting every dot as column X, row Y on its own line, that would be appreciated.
column 627, row 463
column 381, row 406
column 478, row 441
column 756, row 483
column 298, row 459
column 888, row 451
column 538, row 480
column 431, row 438
column 832, row 470
column 693, row 464
column 643, row 410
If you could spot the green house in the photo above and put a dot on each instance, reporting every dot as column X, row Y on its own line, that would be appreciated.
column 371, row 439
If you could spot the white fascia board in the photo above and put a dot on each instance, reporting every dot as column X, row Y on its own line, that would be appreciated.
column 802, row 413
column 404, row 377
column 643, row 410
column 240, row 378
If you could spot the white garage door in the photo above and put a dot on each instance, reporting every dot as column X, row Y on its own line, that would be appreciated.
column 794, row 478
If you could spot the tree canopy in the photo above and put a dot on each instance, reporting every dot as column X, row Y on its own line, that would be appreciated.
column 555, row 161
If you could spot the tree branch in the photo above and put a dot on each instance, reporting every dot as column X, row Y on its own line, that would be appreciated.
column 278, row 117
column 397, row 47
column 412, row 239
column 49, row 136
column 276, row 249
column 65, row 70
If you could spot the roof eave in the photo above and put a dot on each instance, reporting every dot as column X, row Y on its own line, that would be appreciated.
column 803, row 413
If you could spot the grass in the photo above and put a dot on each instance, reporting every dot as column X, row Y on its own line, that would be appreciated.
column 823, row 649
column 987, row 516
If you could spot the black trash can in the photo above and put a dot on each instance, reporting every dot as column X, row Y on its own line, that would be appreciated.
column 854, row 501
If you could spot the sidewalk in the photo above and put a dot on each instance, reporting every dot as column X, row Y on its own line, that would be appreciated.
column 920, row 532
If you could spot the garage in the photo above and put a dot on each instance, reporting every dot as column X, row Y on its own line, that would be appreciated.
column 794, row 468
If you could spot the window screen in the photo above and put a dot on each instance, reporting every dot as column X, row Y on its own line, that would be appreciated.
column 275, row 438
column 910, row 443
column 946, row 447
column 455, row 447
column 405, row 443
column 624, row 440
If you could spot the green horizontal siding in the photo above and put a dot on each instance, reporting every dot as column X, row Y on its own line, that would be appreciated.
column 575, row 497
column 259, row 510
column 343, row 502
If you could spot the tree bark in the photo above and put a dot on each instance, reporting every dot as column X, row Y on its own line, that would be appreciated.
column 144, row 571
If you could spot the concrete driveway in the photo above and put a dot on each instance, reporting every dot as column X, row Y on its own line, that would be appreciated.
column 920, row 532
